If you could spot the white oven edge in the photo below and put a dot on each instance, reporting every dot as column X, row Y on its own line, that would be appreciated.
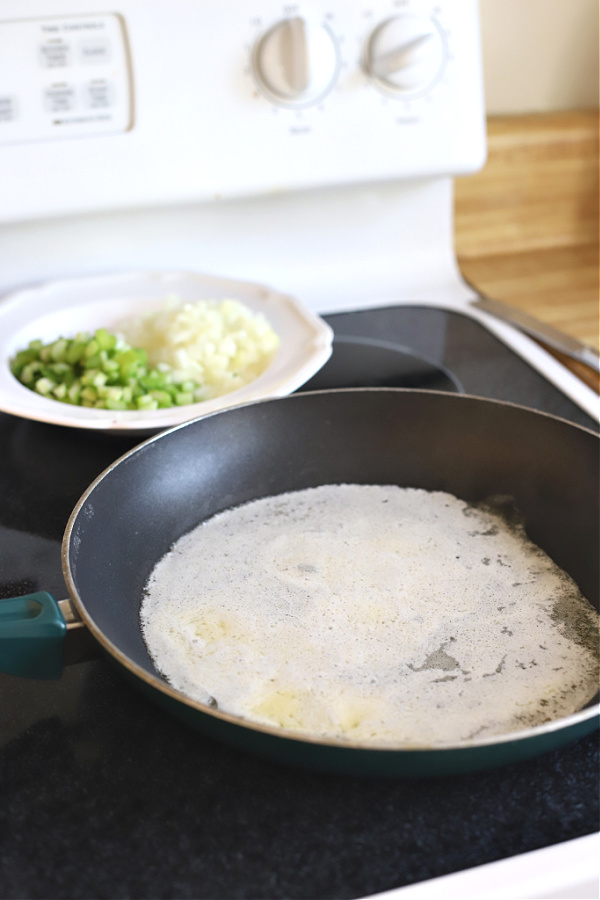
column 566, row 871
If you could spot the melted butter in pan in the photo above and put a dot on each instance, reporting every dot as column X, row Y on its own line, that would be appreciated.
column 377, row 614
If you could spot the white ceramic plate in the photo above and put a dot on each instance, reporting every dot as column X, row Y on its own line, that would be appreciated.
column 63, row 308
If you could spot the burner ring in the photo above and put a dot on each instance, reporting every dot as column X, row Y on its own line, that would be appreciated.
column 369, row 362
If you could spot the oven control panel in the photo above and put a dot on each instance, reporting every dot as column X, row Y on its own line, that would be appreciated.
column 63, row 77
column 168, row 101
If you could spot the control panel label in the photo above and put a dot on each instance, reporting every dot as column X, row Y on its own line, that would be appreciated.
column 63, row 77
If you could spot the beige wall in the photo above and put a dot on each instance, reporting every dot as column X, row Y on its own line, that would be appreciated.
column 540, row 55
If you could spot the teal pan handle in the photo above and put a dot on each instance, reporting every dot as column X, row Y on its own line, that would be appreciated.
column 32, row 636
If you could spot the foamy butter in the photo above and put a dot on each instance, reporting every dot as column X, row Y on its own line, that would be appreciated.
column 376, row 614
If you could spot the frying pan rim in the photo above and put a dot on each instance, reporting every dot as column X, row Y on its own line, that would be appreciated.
column 155, row 682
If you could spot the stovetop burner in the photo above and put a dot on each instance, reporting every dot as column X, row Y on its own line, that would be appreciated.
column 367, row 362
column 470, row 359
column 107, row 796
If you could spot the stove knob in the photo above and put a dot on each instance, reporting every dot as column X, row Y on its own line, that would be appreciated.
column 296, row 62
column 406, row 55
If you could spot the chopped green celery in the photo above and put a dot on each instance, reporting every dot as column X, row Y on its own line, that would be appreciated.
column 133, row 356
column 29, row 372
column 100, row 379
column 74, row 393
column 183, row 398
column 23, row 358
column 145, row 401
column 110, row 367
column 60, row 391
column 75, row 351
column 112, row 393
column 115, row 404
column 100, row 371
column 60, row 370
column 106, row 341
column 44, row 386
column 89, row 393
column 58, row 350
column 93, row 362
column 153, row 381
column 163, row 398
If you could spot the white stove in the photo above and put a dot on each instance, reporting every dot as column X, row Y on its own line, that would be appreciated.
column 311, row 146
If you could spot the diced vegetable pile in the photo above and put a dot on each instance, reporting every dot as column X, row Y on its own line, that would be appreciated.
column 101, row 371
column 180, row 354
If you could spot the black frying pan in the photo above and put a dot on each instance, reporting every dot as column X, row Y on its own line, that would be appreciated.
column 471, row 447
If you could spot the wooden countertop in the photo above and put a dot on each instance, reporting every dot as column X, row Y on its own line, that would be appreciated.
column 527, row 224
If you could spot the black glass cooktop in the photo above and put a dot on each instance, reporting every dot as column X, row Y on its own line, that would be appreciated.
column 103, row 795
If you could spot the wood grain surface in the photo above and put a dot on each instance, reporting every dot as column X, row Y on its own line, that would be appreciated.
column 527, row 224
